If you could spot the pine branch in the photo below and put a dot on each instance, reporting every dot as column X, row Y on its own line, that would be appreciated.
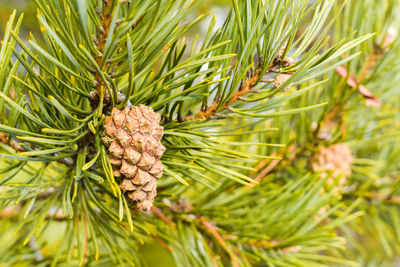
column 157, row 212
column 104, row 31
column 220, row 240
column 266, row 170
column 212, row 110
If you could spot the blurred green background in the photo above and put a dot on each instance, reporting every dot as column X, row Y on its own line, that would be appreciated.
column 29, row 9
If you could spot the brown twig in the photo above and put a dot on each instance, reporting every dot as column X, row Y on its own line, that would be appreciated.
column 257, row 178
column 371, row 62
column 106, row 19
column 17, row 147
column 219, row 239
column 238, row 95
column 271, row 165
column 161, row 215
column 86, row 238
column 265, row 171
column 162, row 243
column 11, row 142
column 214, row 261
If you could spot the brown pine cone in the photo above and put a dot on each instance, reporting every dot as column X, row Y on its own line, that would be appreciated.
column 281, row 79
column 337, row 159
column 287, row 61
column 132, row 137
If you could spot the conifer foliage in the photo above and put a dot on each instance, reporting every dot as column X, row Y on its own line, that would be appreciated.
column 270, row 140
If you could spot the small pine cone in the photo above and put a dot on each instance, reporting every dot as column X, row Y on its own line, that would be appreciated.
column 280, row 52
column 281, row 79
column 287, row 61
column 132, row 137
column 336, row 159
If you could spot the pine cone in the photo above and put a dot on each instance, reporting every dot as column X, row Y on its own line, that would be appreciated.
column 281, row 79
column 336, row 159
column 132, row 137
column 287, row 61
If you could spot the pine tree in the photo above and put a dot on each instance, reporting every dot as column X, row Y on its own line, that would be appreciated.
column 271, row 140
